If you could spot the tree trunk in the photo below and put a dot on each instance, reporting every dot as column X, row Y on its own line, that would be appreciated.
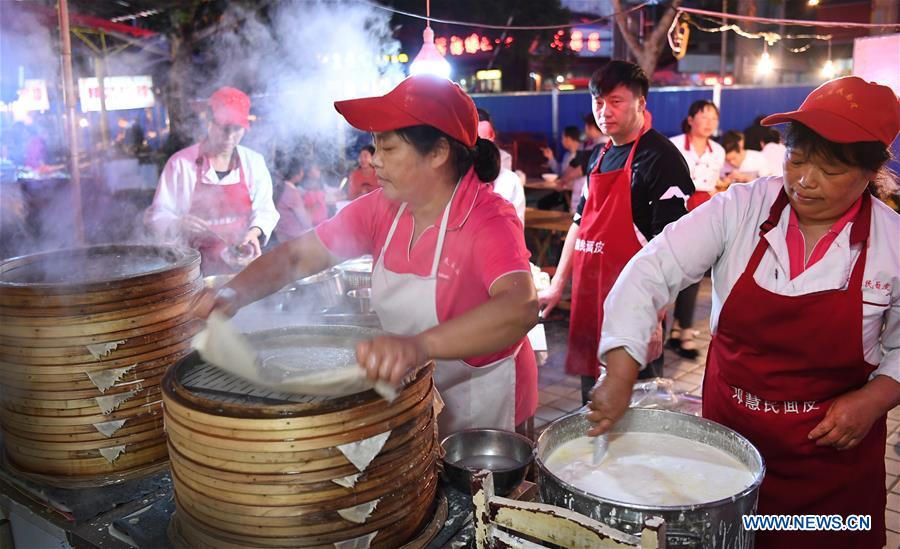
column 178, row 97
column 647, row 54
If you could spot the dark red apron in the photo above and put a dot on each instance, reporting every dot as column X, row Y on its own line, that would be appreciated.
column 227, row 209
column 774, row 367
column 605, row 242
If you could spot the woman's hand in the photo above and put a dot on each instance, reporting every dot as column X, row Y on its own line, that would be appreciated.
column 251, row 240
column 548, row 299
column 610, row 400
column 223, row 300
column 851, row 415
column 391, row 358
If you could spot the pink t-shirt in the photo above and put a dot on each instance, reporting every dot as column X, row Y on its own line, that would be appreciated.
column 796, row 244
column 294, row 220
column 484, row 241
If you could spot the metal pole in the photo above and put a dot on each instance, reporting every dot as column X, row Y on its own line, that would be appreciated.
column 100, row 69
column 554, row 114
column 723, row 52
column 69, row 95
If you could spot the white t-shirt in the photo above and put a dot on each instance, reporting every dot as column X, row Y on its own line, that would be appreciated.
column 509, row 186
column 754, row 165
column 705, row 168
column 774, row 155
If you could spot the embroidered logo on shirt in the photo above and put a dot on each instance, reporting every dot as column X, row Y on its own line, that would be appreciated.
column 877, row 285
column 589, row 246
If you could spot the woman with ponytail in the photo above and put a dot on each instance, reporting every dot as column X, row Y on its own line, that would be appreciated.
column 451, row 280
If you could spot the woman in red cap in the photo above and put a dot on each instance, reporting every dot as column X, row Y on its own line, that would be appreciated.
column 805, row 355
column 216, row 194
column 451, row 276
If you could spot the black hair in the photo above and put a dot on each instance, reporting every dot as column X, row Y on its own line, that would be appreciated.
column 572, row 132
column 771, row 135
column 871, row 156
column 731, row 141
column 484, row 116
column 697, row 106
column 868, row 155
column 589, row 120
column 616, row 73
column 485, row 156
column 370, row 148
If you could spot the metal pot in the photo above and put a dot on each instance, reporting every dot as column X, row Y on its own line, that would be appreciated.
column 315, row 293
column 361, row 300
column 357, row 272
column 506, row 454
column 713, row 524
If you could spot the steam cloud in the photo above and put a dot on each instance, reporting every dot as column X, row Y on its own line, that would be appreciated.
column 313, row 53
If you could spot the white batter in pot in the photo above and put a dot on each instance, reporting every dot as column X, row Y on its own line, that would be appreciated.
column 651, row 469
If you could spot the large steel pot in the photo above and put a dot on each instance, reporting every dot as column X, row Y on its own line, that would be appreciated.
column 315, row 293
column 713, row 524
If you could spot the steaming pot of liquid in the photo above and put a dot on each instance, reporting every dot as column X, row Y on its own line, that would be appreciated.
column 699, row 509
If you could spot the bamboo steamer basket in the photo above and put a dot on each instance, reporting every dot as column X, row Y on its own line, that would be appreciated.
column 254, row 468
column 86, row 336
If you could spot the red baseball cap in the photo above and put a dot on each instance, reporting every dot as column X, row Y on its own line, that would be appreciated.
column 417, row 100
column 230, row 107
column 847, row 110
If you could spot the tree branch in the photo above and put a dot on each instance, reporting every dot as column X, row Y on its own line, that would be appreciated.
column 621, row 22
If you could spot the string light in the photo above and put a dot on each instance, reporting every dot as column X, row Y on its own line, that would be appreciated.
column 828, row 70
column 765, row 65
column 429, row 60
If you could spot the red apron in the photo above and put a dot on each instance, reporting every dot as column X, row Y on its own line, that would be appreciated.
column 774, row 367
column 696, row 199
column 606, row 240
column 227, row 209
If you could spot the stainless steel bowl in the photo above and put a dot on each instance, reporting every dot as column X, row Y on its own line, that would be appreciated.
column 315, row 293
column 506, row 454
column 357, row 272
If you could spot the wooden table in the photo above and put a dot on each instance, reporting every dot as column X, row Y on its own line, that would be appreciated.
column 538, row 188
column 547, row 224
column 541, row 184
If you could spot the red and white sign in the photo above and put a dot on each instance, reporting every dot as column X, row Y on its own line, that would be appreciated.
column 122, row 92
column 32, row 97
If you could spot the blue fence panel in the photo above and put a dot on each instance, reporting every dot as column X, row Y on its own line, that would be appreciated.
column 669, row 107
column 519, row 112
column 572, row 108
column 741, row 105
column 533, row 112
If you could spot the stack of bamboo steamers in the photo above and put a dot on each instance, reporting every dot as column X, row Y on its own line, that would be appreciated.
column 251, row 469
column 85, row 337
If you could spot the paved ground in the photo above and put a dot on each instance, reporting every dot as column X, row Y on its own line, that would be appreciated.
column 560, row 394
